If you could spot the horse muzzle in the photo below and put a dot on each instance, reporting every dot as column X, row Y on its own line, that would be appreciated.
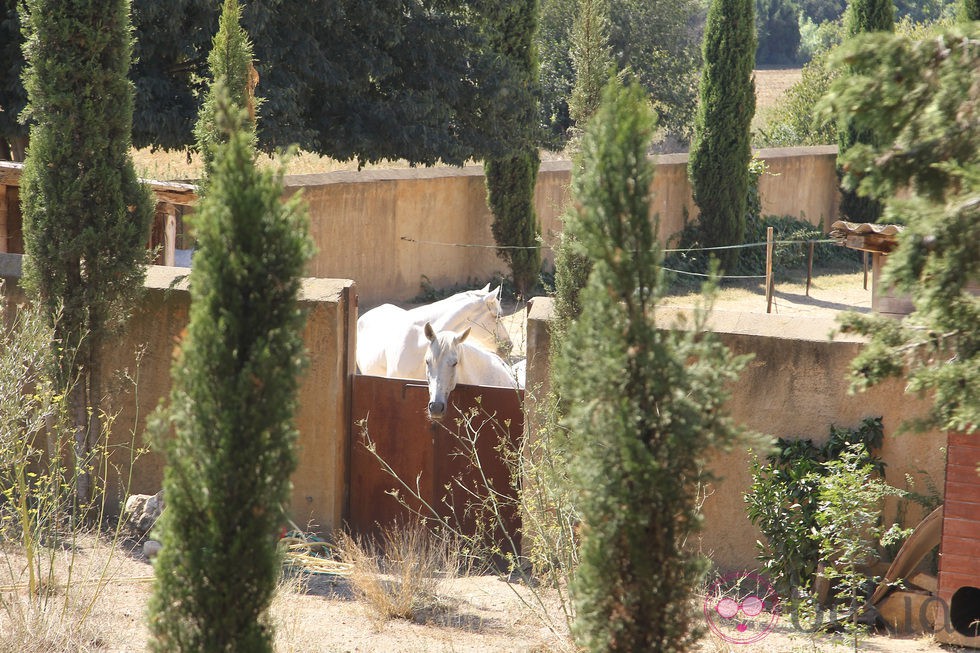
column 437, row 410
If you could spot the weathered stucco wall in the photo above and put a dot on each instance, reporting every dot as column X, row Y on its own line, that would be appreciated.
column 360, row 220
column 145, row 354
column 795, row 387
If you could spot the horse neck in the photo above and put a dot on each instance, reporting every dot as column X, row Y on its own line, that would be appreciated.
column 466, row 302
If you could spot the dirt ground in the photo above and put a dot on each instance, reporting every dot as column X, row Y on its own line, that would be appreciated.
column 318, row 614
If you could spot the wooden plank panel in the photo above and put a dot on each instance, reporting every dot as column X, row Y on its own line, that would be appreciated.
column 959, row 527
column 960, row 563
column 964, row 493
column 962, row 473
column 960, row 509
column 403, row 440
column 425, row 453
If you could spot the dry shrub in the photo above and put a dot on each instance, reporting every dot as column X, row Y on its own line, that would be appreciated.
column 399, row 576
column 59, row 626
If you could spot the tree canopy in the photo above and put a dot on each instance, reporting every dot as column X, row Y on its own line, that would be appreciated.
column 412, row 79
column 919, row 98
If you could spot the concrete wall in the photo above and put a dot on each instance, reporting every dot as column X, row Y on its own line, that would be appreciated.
column 360, row 220
column 145, row 353
column 795, row 387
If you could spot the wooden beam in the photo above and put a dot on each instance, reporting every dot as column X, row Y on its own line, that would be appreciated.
column 169, row 234
column 4, row 212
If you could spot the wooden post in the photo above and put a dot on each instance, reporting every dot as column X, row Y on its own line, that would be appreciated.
column 4, row 213
column 769, row 282
column 809, row 269
column 169, row 234
column 864, row 260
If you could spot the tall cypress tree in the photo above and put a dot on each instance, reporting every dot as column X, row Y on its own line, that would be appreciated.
column 862, row 16
column 644, row 403
column 511, row 179
column 721, row 150
column 232, row 406
column 591, row 59
column 86, row 216
column 230, row 61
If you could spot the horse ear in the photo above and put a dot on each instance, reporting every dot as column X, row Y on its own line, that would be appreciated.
column 461, row 337
column 486, row 288
column 429, row 332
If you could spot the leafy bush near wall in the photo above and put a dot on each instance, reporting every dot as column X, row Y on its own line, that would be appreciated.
column 783, row 500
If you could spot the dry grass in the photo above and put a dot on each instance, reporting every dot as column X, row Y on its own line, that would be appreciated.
column 181, row 166
column 399, row 577
column 771, row 84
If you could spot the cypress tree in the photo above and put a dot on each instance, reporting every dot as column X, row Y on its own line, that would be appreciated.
column 511, row 180
column 644, row 403
column 86, row 215
column 721, row 150
column 862, row 16
column 591, row 59
column 230, row 61
column 232, row 406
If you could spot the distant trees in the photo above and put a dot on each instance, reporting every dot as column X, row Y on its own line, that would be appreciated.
column 969, row 10
column 778, row 31
column 720, row 153
column 913, row 95
column 657, row 41
column 511, row 178
column 643, row 403
column 13, row 97
column 863, row 16
column 350, row 79
column 86, row 216
column 592, row 61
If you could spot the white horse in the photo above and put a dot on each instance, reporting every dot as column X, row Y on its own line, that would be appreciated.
column 478, row 310
column 449, row 360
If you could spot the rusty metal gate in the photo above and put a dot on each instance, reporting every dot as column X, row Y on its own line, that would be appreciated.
column 425, row 454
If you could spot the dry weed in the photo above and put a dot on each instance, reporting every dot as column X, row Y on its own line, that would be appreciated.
column 399, row 576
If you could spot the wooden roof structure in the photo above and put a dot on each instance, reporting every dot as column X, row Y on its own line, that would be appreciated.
column 866, row 236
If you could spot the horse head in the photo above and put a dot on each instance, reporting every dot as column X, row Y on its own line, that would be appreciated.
column 441, row 360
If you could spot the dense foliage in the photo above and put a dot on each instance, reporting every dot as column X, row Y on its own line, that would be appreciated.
column 511, row 180
column 783, row 501
column 656, row 41
column 412, row 79
column 721, row 150
column 230, row 62
column 778, row 31
column 13, row 97
column 862, row 16
column 591, row 60
column 232, row 405
column 86, row 216
column 919, row 98
column 644, row 404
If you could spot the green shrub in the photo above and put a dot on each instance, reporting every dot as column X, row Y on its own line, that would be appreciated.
column 783, row 501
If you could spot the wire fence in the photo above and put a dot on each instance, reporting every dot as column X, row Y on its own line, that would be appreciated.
column 769, row 244
column 674, row 250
